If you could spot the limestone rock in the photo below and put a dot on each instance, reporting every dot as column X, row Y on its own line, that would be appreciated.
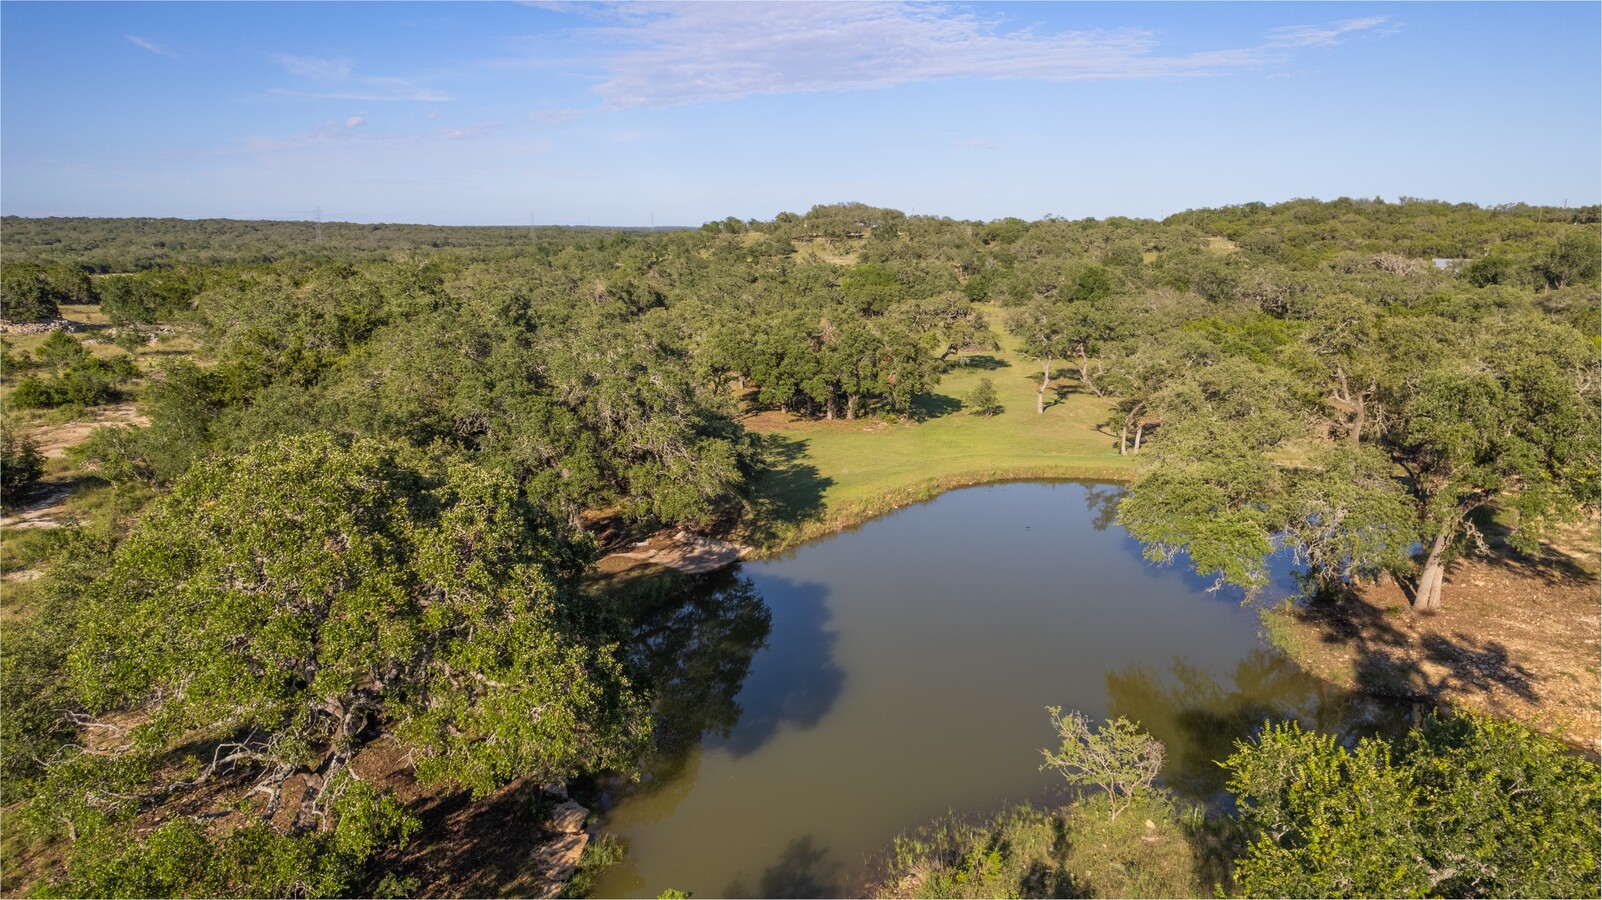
column 558, row 860
column 569, row 818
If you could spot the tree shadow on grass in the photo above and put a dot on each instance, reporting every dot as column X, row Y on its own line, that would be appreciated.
column 1549, row 565
column 984, row 363
column 1389, row 661
column 933, row 406
column 788, row 493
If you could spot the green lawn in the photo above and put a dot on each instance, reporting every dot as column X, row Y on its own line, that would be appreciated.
column 836, row 474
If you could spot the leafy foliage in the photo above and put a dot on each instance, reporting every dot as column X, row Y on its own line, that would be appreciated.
column 1119, row 758
column 984, row 400
column 374, row 481
column 1466, row 807
column 76, row 376
column 1078, row 851
column 295, row 594
column 26, row 294
column 21, row 463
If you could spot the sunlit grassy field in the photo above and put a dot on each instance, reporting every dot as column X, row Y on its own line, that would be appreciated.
column 836, row 474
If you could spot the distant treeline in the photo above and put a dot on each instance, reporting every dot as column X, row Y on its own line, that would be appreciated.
column 133, row 245
column 1298, row 231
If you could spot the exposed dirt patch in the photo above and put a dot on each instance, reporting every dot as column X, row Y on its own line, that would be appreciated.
column 42, row 508
column 498, row 846
column 1517, row 638
column 55, row 440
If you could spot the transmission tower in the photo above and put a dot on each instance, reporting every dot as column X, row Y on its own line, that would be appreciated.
column 319, row 215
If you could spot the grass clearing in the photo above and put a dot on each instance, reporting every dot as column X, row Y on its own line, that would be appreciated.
column 833, row 475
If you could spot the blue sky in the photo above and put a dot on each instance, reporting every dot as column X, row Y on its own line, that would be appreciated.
column 479, row 113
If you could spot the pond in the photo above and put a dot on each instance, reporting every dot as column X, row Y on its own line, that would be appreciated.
column 903, row 669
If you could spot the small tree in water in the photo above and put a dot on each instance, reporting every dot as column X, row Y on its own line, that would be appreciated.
column 1120, row 759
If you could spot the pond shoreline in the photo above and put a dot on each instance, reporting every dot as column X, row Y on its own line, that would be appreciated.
column 1338, row 645
column 853, row 515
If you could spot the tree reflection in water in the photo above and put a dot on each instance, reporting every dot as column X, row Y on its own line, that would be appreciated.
column 803, row 870
column 694, row 639
column 1198, row 719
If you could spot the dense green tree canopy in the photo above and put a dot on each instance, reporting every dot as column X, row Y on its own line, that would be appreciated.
column 284, row 601
column 1464, row 807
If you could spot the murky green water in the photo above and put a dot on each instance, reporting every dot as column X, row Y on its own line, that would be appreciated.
column 905, row 673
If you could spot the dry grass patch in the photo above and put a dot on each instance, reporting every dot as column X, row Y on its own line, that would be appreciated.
column 1516, row 638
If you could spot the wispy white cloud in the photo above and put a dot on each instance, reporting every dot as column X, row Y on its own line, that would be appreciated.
column 675, row 54
column 1321, row 35
column 151, row 46
column 333, row 78
column 471, row 131
column 352, row 128
column 313, row 67
column 556, row 116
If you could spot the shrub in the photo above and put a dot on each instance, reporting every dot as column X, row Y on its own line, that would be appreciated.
column 21, row 463
column 1079, row 851
column 1466, row 807
column 1119, row 759
column 26, row 295
column 983, row 399
column 1018, row 853
column 79, row 378
column 33, row 393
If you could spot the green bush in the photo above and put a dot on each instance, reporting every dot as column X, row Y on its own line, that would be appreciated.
column 21, row 463
column 181, row 859
column 26, row 294
column 1465, row 807
column 1119, row 759
column 32, row 393
column 79, row 378
column 984, row 399
column 1021, row 852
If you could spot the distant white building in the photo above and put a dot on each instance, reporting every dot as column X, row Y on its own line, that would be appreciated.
column 1447, row 263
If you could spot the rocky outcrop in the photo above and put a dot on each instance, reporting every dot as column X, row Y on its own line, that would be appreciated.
column 568, row 818
column 43, row 326
column 558, row 858
column 690, row 553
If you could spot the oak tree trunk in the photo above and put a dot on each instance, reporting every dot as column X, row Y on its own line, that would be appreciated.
column 1427, row 594
column 1084, row 372
column 1045, row 379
